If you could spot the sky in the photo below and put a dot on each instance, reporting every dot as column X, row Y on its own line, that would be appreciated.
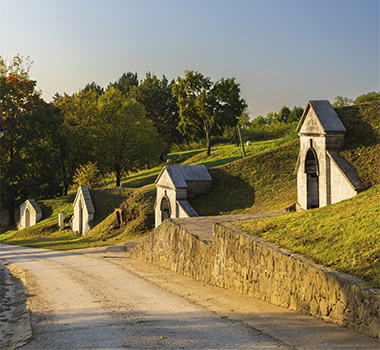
column 281, row 52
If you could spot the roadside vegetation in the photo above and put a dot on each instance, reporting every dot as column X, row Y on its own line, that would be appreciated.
column 343, row 236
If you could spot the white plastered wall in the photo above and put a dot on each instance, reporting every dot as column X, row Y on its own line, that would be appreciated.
column 34, row 217
column 319, row 146
column 340, row 187
column 173, row 195
column 86, row 217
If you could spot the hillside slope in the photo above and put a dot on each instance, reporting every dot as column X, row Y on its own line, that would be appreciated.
column 343, row 236
column 265, row 182
column 261, row 183
column 362, row 141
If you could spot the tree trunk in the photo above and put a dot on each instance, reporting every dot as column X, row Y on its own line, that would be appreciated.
column 65, row 180
column 208, row 139
column 12, row 209
column 118, row 175
column 237, row 143
column 208, row 136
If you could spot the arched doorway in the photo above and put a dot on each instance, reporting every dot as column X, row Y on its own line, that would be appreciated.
column 312, row 182
column 165, row 209
column 27, row 217
column 80, row 217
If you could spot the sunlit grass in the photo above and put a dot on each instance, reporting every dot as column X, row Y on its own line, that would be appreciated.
column 344, row 236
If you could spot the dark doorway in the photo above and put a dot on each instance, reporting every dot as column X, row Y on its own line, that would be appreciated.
column 165, row 209
column 27, row 217
column 80, row 217
column 312, row 183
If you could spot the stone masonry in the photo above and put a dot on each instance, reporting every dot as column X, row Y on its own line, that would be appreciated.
column 226, row 256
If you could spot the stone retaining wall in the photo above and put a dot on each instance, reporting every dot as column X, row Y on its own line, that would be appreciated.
column 256, row 267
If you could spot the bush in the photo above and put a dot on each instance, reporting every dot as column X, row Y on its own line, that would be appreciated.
column 87, row 174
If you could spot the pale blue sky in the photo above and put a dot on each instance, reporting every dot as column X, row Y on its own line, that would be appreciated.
column 282, row 52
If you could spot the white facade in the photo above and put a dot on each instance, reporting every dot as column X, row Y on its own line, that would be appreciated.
column 30, row 214
column 322, row 176
column 83, row 211
column 174, row 184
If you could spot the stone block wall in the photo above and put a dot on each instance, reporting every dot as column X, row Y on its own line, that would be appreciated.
column 253, row 266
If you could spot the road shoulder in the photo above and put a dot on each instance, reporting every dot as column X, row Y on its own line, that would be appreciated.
column 15, row 323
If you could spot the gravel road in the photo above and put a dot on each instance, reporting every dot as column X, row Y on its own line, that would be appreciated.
column 96, row 300
column 84, row 303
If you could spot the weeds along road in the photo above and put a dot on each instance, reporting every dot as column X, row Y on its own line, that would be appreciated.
column 96, row 300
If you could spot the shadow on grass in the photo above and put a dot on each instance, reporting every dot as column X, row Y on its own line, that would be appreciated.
column 47, row 211
column 227, row 193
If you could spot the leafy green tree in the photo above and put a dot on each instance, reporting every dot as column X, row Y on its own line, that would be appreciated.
column 93, row 86
column 271, row 117
column 372, row 96
column 78, row 111
column 89, row 175
column 295, row 115
column 341, row 101
column 258, row 121
column 207, row 108
column 283, row 114
column 125, row 83
column 160, row 106
column 30, row 153
column 126, row 136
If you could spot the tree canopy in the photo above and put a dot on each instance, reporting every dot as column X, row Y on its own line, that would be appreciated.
column 207, row 108
column 127, row 137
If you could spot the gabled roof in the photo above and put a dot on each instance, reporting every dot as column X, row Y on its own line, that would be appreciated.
column 34, row 204
column 347, row 171
column 180, row 174
column 327, row 117
column 186, row 206
column 87, row 198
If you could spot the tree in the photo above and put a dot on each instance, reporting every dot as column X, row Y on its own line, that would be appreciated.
column 125, row 83
column 30, row 149
column 78, row 112
column 271, row 117
column 160, row 106
column 341, row 101
column 369, row 97
column 295, row 115
column 126, row 135
column 283, row 114
column 205, row 107
column 93, row 86
column 88, row 175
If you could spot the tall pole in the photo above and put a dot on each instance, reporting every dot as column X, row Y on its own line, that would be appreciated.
column 241, row 142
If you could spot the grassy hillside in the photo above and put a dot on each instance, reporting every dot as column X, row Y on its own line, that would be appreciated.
column 261, row 183
column 343, row 236
column 46, row 234
column 222, row 154
column 266, row 182
column 362, row 141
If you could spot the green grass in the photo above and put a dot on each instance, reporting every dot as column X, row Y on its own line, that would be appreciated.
column 344, row 236
column 221, row 154
column 45, row 234
column 362, row 141
column 264, row 182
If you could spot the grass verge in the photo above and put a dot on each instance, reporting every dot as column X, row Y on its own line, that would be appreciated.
column 344, row 236
column 264, row 182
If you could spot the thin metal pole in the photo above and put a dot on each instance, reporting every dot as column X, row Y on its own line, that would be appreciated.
column 241, row 142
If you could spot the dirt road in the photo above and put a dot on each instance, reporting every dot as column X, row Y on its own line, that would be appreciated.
column 93, row 300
